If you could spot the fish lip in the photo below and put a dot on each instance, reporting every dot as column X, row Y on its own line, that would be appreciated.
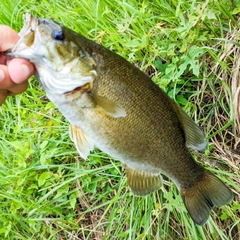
column 10, row 55
column 30, row 25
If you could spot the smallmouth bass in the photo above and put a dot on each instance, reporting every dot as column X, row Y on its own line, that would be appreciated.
column 114, row 106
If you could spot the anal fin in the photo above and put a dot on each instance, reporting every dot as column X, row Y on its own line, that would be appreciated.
column 82, row 142
column 142, row 182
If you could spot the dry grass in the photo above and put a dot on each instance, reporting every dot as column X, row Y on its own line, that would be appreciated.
column 220, row 100
column 229, row 150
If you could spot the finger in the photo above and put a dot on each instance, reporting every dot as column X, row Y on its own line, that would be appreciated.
column 8, row 37
column 5, row 81
column 7, row 84
column 20, row 70
column 3, row 96
column 2, row 59
column 17, row 88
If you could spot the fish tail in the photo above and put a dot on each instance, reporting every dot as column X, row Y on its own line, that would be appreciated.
column 203, row 196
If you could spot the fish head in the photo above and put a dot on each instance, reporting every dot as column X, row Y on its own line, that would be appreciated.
column 61, row 63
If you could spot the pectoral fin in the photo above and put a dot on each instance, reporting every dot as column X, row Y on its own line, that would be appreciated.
column 195, row 138
column 88, row 99
column 82, row 142
column 109, row 107
column 142, row 182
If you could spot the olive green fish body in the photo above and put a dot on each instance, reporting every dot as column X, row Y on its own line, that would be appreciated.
column 150, row 136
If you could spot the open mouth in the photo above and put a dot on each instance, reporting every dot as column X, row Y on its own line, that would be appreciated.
column 27, row 38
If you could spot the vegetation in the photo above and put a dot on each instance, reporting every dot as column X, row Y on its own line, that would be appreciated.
column 191, row 50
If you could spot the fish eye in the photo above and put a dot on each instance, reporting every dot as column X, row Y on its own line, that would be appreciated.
column 58, row 35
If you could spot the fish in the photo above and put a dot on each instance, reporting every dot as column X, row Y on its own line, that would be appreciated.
column 114, row 106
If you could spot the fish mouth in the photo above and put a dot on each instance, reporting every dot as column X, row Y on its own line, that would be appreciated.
column 26, row 41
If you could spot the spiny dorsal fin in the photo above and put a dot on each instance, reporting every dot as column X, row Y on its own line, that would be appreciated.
column 195, row 138
column 142, row 182
column 81, row 140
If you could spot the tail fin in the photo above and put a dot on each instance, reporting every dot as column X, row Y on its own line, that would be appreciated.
column 201, row 198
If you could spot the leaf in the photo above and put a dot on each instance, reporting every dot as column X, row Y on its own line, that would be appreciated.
column 160, row 66
column 73, row 202
column 181, row 100
column 43, row 159
column 236, row 11
column 42, row 178
column 191, row 60
column 43, row 145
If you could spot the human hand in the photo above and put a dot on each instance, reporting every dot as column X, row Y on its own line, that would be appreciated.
column 13, row 73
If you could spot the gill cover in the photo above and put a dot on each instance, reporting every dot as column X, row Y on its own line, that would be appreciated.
column 61, row 64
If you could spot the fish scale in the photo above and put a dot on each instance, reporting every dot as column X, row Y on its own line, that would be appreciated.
column 114, row 106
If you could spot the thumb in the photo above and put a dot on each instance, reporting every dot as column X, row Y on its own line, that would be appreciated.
column 8, row 37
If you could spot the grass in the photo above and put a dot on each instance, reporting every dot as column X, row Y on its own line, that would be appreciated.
column 191, row 50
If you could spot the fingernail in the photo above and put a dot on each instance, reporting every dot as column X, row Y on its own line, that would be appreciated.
column 2, row 75
column 26, row 71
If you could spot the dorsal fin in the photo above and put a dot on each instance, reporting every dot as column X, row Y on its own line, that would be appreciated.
column 82, row 142
column 142, row 182
column 194, row 136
